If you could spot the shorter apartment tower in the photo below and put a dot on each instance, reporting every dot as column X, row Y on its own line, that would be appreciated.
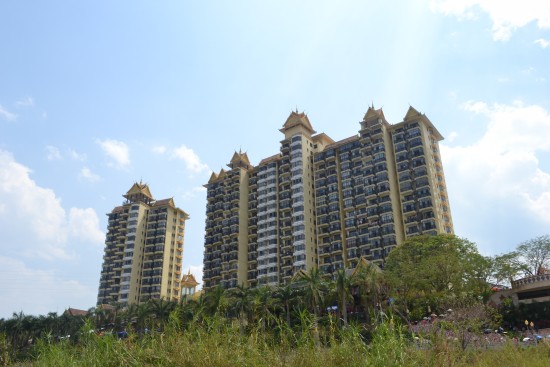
column 324, row 203
column 143, row 250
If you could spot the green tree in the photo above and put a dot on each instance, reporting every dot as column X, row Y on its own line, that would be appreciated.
column 189, row 310
column 241, row 303
column 428, row 270
column 506, row 267
column 368, row 279
column 314, row 288
column 160, row 309
column 286, row 294
column 140, row 315
column 100, row 317
column 342, row 287
column 262, row 303
column 215, row 301
column 534, row 255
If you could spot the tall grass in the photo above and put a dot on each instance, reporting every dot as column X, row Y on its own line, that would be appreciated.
column 218, row 342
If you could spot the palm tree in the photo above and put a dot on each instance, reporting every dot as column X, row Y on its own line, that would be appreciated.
column 131, row 314
column 368, row 279
column 262, row 302
column 188, row 310
column 286, row 294
column 314, row 288
column 240, row 297
column 100, row 316
column 19, row 329
column 342, row 283
column 50, row 323
column 161, row 309
column 215, row 301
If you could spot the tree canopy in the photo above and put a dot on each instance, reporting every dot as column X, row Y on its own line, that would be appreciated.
column 534, row 255
column 432, row 270
column 530, row 258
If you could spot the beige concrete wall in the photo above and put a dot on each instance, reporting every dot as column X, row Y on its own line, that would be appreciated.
column 395, row 196
column 242, row 270
column 309, row 202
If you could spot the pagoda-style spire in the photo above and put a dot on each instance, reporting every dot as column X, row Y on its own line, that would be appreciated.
column 373, row 113
column 241, row 160
column 298, row 119
column 139, row 192
column 188, row 284
column 222, row 174
column 412, row 113
column 213, row 177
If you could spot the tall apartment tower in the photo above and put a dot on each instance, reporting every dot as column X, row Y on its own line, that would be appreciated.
column 324, row 203
column 143, row 250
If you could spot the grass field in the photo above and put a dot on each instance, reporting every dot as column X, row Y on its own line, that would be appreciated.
column 215, row 343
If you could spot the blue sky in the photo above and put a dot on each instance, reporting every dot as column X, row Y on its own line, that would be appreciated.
column 95, row 95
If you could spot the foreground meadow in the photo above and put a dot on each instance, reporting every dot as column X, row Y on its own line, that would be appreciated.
column 215, row 343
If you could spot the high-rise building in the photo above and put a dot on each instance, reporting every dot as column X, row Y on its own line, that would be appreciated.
column 324, row 203
column 143, row 250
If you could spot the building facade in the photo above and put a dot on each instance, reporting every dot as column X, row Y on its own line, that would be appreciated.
column 320, row 202
column 143, row 250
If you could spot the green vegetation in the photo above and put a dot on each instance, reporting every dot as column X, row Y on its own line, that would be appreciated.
column 531, row 257
column 219, row 343
column 368, row 318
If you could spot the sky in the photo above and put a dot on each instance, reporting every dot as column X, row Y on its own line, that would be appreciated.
column 96, row 95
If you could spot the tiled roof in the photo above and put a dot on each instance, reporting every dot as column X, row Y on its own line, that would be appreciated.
column 76, row 312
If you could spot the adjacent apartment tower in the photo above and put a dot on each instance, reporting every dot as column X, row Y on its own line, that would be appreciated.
column 324, row 203
column 143, row 250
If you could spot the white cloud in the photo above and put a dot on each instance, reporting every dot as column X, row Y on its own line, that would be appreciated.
column 77, row 156
column 84, row 223
column 542, row 42
column 118, row 151
column 476, row 107
column 53, row 153
column 506, row 16
column 159, row 149
column 25, row 102
column 452, row 136
column 193, row 192
column 87, row 174
column 191, row 159
column 33, row 222
column 528, row 71
column 7, row 115
column 504, row 164
column 37, row 292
